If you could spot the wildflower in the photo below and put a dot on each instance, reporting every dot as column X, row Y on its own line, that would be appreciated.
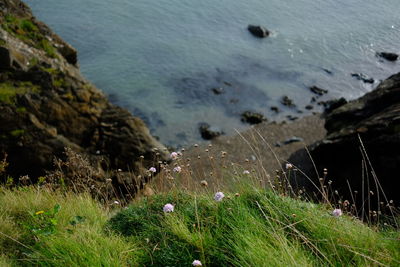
column 174, row 155
column 289, row 166
column 204, row 183
column 337, row 212
column 246, row 172
column 39, row 212
column 177, row 169
column 219, row 196
column 197, row 263
column 168, row 208
column 152, row 169
column 116, row 202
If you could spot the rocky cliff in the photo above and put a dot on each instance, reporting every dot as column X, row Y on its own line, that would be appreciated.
column 361, row 149
column 46, row 104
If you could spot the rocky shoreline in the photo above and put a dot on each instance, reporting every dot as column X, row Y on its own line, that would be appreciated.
column 46, row 105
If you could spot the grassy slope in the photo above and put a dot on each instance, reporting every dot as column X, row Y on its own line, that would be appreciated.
column 257, row 228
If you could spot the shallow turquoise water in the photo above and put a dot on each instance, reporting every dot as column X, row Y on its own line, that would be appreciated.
column 160, row 59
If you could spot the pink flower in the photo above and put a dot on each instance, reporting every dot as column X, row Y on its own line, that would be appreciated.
column 219, row 196
column 168, row 208
column 196, row 263
column 153, row 170
column 337, row 212
column 177, row 169
column 174, row 155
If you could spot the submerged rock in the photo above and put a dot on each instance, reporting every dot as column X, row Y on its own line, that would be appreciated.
column 258, row 31
column 286, row 101
column 362, row 77
column 388, row 56
column 207, row 132
column 318, row 91
column 252, row 117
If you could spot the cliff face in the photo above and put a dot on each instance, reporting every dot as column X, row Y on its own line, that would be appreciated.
column 375, row 119
column 46, row 105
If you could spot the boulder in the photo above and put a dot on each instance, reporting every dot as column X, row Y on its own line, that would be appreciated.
column 286, row 101
column 207, row 132
column 318, row 91
column 362, row 77
column 388, row 56
column 252, row 117
column 258, row 31
column 362, row 144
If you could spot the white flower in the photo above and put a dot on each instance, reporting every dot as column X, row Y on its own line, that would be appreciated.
column 168, row 208
column 174, row 155
column 337, row 212
column 196, row 263
column 177, row 169
column 219, row 196
column 152, row 169
column 246, row 172
column 289, row 166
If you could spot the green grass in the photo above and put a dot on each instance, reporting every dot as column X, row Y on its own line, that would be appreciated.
column 27, row 31
column 9, row 91
column 72, row 243
column 256, row 228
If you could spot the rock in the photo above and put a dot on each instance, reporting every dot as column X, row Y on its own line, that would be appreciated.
column 252, row 117
column 286, row 101
column 275, row 109
column 293, row 139
column 375, row 120
column 258, row 31
column 309, row 107
column 207, row 132
column 388, row 56
column 218, row 90
column 362, row 77
column 318, row 91
column 5, row 58
column 291, row 117
column 332, row 104
column 328, row 71
column 54, row 107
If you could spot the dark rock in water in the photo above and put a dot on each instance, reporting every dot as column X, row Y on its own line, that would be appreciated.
column 207, row 132
column 218, row 90
column 252, row 117
column 332, row 104
column 318, row 91
column 258, row 31
column 275, row 109
column 362, row 77
column 309, row 107
column 291, row 117
column 286, row 101
column 388, row 56
column 313, row 99
column 328, row 71
column 375, row 120
column 293, row 139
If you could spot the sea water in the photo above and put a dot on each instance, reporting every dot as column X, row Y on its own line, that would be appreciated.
column 160, row 59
